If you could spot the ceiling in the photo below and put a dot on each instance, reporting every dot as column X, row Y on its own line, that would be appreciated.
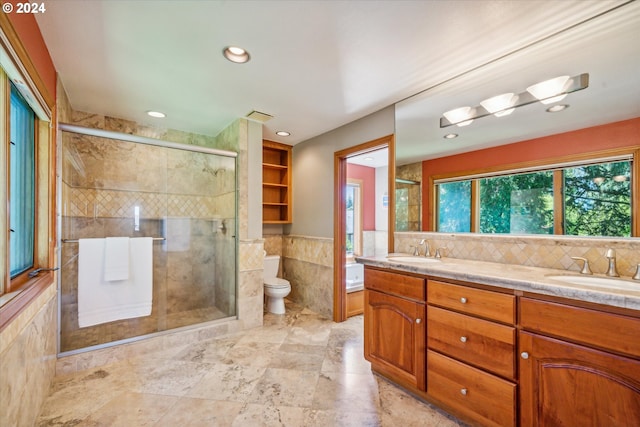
column 315, row 65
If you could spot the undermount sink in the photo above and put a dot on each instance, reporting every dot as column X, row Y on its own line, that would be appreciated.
column 411, row 259
column 604, row 282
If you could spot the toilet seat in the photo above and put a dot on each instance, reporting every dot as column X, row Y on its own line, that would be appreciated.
column 276, row 283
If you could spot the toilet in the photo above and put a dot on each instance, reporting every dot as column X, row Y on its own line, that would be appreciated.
column 274, row 288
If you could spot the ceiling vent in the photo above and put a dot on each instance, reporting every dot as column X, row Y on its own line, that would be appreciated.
column 259, row 117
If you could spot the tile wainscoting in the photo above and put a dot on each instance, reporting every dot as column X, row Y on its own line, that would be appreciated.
column 308, row 266
column 534, row 251
column 28, row 360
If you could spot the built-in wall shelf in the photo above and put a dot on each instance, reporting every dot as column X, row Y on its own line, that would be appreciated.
column 276, row 183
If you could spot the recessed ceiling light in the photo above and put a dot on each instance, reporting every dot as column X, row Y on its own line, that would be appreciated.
column 368, row 159
column 557, row 107
column 157, row 114
column 451, row 136
column 236, row 54
column 283, row 133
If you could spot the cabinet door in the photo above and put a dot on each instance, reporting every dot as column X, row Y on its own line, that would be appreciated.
column 564, row 384
column 394, row 331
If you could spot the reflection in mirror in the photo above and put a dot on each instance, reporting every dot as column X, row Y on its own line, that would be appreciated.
column 593, row 123
column 408, row 197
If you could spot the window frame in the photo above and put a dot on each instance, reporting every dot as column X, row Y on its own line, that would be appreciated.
column 18, row 293
column 21, row 278
column 556, row 164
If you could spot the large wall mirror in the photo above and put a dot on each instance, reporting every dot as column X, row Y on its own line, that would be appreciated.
column 551, row 169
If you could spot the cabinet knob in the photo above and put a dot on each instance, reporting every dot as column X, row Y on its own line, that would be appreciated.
column 463, row 391
column 463, row 339
column 524, row 355
column 418, row 320
column 463, row 300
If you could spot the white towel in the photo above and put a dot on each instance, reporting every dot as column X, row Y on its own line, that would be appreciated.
column 116, row 259
column 100, row 301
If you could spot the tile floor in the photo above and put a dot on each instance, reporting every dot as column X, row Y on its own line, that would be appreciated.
column 299, row 369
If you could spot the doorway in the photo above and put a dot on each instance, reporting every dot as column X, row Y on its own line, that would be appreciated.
column 355, row 225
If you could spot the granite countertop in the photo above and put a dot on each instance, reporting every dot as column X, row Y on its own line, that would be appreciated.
column 524, row 278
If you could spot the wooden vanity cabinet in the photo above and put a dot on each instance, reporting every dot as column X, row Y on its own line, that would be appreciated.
column 494, row 359
column 394, row 326
column 578, row 366
column 471, row 341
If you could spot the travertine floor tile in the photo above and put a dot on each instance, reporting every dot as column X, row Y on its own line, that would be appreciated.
column 298, row 370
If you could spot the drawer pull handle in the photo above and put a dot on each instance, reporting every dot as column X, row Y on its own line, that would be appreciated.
column 463, row 391
column 463, row 300
column 418, row 320
column 524, row 355
column 463, row 339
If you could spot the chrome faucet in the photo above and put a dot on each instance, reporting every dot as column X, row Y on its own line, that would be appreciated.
column 585, row 264
column 427, row 251
column 637, row 275
column 611, row 256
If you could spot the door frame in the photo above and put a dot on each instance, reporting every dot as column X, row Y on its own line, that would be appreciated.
column 339, row 214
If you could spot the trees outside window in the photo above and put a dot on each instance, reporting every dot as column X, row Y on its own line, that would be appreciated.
column 593, row 199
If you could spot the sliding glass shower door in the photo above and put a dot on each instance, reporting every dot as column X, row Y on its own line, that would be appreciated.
column 185, row 200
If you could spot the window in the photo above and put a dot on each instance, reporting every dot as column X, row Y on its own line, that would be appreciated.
column 454, row 207
column 597, row 200
column 354, row 219
column 22, row 185
column 521, row 203
column 590, row 199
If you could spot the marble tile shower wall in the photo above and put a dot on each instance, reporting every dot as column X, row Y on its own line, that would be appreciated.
column 535, row 251
column 187, row 197
column 308, row 265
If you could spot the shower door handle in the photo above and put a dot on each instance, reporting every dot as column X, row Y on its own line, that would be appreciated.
column 136, row 218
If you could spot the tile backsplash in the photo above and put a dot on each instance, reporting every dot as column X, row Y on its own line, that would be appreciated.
column 535, row 251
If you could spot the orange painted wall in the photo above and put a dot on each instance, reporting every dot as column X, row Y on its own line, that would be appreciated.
column 368, row 177
column 613, row 135
column 29, row 33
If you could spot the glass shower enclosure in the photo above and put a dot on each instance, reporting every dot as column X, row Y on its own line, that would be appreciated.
column 184, row 197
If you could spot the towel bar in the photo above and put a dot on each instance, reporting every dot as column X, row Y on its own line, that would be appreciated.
column 76, row 240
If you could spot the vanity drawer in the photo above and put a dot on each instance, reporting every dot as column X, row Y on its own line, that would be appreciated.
column 482, row 397
column 479, row 302
column 394, row 283
column 484, row 344
column 600, row 329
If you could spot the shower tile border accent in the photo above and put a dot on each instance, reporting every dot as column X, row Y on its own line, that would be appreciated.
column 91, row 202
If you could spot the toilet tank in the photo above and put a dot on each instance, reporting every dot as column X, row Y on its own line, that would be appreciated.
column 271, row 264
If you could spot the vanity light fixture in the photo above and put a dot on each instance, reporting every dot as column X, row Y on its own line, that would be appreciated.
column 460, row 116
column 236, row 54
column 556, row 108
column 283, row 133
column 156, row 114
column 546, row 92
column 450, row 136
column 500, row 105
column 550, row 91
